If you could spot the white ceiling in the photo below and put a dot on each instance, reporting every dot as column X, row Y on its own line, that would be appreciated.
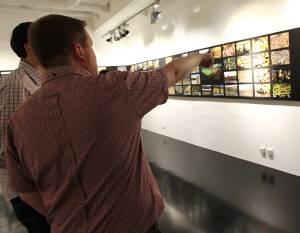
column 101, row 15
column 79, row 8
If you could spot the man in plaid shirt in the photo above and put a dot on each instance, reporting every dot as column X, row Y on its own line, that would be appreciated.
column 82, row 160
column 14, row 88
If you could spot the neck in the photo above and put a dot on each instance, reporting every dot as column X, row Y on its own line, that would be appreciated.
column 34, row 64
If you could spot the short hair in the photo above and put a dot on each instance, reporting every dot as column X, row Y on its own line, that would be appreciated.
column 19, row 38
column 52, row 37
column 103, row 71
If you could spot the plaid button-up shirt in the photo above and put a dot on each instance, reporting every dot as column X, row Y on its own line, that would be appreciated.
column 76, row 141
column 14, row 88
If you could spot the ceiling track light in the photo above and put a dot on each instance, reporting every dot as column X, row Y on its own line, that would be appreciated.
column 111, row 36
column 118, row 33
column 155, row 15
column 156, row 4
column 123, row 32
column 116, row 37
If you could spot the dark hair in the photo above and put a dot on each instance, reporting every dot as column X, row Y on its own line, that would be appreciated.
column 52, row 37
column 19, row 38
column 103, row 71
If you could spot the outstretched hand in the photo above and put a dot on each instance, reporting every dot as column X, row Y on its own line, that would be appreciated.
column 206, row 60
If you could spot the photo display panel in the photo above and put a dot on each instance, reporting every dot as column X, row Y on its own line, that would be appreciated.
column 262, row 67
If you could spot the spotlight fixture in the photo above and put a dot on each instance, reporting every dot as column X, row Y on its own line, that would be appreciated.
column 156, row 4
column 110, row 39
column 116, row 37
column 120, row 31
column 123, row 32
column 155, row 15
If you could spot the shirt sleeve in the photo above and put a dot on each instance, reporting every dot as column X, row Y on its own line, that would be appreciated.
column 20, row 179
column 146, row 90
column 12, row 94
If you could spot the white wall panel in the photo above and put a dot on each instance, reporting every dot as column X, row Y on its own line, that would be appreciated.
column 234, row 127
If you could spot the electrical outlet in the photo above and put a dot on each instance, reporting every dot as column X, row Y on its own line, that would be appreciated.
column 270, row 153
column 262, row 150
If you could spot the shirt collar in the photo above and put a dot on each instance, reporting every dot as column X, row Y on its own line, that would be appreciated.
column 31, row 71
column 60, row 71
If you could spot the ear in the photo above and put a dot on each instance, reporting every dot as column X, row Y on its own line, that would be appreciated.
column 79, row 52
column 27, row 48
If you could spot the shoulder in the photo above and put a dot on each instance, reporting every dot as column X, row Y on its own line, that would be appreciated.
column 12, row 79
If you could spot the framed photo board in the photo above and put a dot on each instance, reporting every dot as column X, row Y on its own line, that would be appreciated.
column 262, row 67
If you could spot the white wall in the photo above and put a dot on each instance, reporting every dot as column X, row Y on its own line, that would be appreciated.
column 234, row 127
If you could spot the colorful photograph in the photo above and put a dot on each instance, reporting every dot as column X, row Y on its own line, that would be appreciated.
column 178, row 83
column 244, row 62
column 228, row 50
column 122, row 68
column 245, row 76
column 282, row 90
column 280, row 41
column 171, row 90
column 213, row 72
column 231, row 90
column 204, row 51
column 261, row 60
column 281, row 57
column 187, row 90
column 218, row 90
column 156, row 64
column 145, row 65
column 150, row 65
column 196, row 90
column 260, row 44
column 168, row 60
column 193, row 52
column 184, row 54
column 216, row 52
column 186, row 81
column 229, row 63
column 140, row 66
column 178, row 90
column 243, row 47
column 262, row 90
column 196, row 70
column 246, row 90
column 230, row 77
column 195, row 79
column 261, row 75
column 281, row 75
column 206, row 90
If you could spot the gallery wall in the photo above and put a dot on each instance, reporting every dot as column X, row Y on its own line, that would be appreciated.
column 234, row 127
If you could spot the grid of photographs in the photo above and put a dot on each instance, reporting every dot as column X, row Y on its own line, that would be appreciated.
column 252, row 68
column 258, row 68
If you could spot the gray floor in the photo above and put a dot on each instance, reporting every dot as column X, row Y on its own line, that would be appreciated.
column 208, row 192
column 8, row 221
